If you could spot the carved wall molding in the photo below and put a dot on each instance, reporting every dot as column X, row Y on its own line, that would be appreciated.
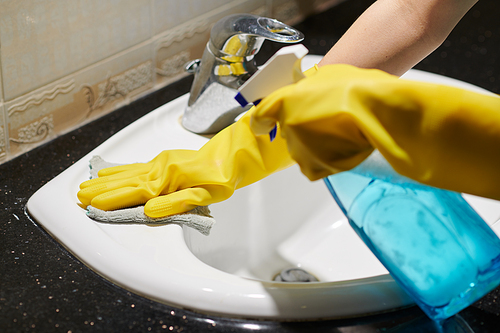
column 38, row 99
column 3, row 148
column 173, row 65
column 118, row 86
column 36, row 131
column 182, row 32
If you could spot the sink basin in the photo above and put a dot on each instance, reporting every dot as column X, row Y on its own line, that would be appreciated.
column 280, row 222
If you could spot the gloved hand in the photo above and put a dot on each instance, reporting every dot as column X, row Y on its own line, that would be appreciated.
column 438, row 135
column 179, row 180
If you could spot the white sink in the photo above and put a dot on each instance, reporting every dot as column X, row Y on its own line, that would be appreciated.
column 280, row 222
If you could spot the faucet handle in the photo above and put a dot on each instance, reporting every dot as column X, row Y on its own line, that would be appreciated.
column 278, row 31
column 242, row 35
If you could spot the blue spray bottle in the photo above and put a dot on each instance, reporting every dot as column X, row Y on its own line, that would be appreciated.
column 431, row 240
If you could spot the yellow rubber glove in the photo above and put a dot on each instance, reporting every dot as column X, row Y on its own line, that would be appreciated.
column 438, row 135
column 179, row 180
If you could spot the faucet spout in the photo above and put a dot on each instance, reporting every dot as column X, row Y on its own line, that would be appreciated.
column 227, row 63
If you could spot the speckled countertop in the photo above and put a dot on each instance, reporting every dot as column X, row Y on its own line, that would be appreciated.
column 43, row 288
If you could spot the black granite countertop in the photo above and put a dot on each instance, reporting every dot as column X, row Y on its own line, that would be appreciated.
column 43, row 288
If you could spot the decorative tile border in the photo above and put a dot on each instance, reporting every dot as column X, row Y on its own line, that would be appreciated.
column 38, row 99
column 174, row 65
column 118, row 86
column 36, row 131
column 3, row 146
column 182, row 32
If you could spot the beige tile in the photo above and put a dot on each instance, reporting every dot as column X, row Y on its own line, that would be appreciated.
column 43, row 41
column 63, row 105
column 169, row 14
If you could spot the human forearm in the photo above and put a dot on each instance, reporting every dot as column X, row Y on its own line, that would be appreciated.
column 394, row 35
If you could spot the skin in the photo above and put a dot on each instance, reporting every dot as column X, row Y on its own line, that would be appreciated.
column 394, row 35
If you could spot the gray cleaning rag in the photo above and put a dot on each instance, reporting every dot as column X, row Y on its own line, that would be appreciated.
column 198, row 218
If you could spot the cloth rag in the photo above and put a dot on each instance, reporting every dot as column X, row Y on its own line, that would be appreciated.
column 198, row 218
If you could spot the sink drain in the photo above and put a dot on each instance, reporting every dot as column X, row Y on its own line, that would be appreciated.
column 295, row 275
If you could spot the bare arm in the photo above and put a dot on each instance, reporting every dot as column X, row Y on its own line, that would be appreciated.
column 394, row 35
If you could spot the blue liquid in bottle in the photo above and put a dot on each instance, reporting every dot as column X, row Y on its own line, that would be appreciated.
column 431, row 241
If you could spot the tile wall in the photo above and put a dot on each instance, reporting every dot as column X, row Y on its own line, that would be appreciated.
column 65, row 63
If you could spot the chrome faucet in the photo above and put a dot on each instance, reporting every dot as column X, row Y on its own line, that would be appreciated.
column 227, row 62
